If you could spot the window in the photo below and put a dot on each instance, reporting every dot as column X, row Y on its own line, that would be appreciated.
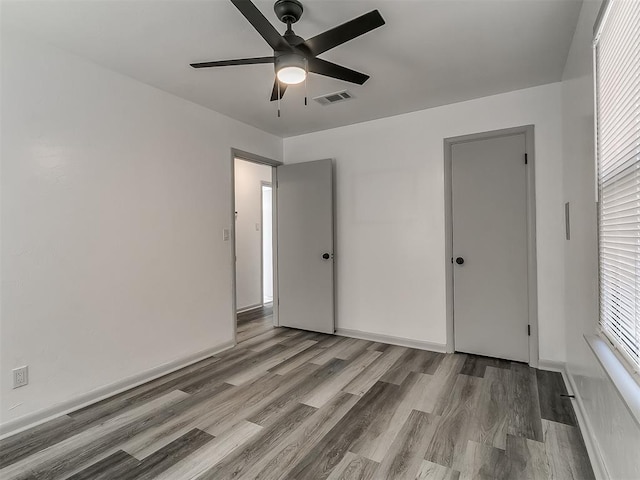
column 617, row 71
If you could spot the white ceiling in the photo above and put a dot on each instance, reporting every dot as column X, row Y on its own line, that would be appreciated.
column 429, row 53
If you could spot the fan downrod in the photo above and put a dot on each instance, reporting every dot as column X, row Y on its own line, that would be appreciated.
column 288, row 11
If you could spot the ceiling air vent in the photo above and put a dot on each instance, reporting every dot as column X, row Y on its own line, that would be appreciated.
column 331, row 98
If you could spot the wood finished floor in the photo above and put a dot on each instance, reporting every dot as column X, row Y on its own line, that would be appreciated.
column 298, row 405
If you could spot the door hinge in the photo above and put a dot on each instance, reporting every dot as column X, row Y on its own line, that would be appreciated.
column 529, row 330
column 526, row 159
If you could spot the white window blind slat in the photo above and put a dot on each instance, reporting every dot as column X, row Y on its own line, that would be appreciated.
column 613, row 52
column 625, row 331
column 627, row 197
column 617, row 56
column 615, row 26
column 620, row 276
column 610, row 74
column 623, row 195
column 613, row 61
column 618, row 169
column 619, row 82
column 614, row 151
column 619, row 210
column 624, row 186
column 619, row 129
column 626, row 297
column 620, row 106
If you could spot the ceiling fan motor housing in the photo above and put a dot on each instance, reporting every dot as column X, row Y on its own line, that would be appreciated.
column 288, row 11
column 290, row 60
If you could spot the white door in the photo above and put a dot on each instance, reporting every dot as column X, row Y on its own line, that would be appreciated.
column 489, row 200
column 305, row 246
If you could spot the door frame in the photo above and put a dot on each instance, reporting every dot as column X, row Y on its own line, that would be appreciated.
column 532, row 276
column 252, row 157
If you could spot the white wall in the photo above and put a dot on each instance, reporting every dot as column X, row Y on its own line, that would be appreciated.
column 615, row 432
column 390, row 254
column 248, row 180
column 114, row 198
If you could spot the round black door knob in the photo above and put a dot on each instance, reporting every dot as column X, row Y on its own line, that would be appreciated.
column 326, row 256
column 459, row 260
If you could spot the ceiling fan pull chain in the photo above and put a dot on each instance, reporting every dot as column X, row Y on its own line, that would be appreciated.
column 278, row 82
column 306, row 67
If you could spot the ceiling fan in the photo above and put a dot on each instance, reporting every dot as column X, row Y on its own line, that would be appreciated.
column 293, row 56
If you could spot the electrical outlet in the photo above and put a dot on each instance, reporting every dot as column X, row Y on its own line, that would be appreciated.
column 20, row 376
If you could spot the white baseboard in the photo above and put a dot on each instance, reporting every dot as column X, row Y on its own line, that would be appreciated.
column 552, row 366
column 590, row 441
column 33, row 419
column 401, row 341
column 248, row 308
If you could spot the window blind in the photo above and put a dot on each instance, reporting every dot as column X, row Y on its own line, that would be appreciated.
column 617, row 62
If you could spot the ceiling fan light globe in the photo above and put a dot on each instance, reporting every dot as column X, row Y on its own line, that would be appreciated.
column 291, row 75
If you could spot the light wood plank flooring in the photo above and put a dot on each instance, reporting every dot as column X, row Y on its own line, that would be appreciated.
column 298, row 405
column 254, row 322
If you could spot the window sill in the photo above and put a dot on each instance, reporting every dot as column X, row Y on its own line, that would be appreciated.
column 626, row 385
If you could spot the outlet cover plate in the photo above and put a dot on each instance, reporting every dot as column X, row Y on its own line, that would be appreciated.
column 20, row 376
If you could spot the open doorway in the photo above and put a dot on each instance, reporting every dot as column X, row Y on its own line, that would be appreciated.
column 253, row 242
column 301, row 260
column 267, row 243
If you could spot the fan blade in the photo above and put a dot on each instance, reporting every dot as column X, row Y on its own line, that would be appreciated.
column 328, row 69
column 274, row 91
column 239, row 61
column 262, row 25
column 343, row 33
